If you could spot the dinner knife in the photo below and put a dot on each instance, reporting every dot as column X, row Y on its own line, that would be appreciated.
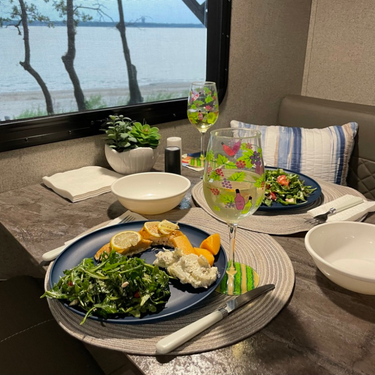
column 174, row 340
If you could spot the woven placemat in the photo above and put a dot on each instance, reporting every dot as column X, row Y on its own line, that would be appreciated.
column 260, row 251
column 282, row 221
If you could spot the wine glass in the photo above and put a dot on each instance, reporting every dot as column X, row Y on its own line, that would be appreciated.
column 234, row 184
column 203, row 108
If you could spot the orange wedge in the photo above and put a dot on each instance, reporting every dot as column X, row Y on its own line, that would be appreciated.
column 205, row 253
column 211, row 243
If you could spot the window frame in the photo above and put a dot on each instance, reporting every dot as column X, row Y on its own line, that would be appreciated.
column 18, row 134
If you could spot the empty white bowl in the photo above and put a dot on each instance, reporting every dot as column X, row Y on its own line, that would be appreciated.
column 345, row 253
column 151, row 192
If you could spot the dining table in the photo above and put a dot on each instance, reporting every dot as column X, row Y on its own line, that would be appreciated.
column 307, row 325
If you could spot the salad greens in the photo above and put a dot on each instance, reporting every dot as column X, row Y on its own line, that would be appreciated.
column 117, row 285
column 285, row 188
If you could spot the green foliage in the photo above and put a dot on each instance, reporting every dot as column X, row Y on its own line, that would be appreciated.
column 124, row 134
column 238, row 176
column 27, row 113
column 221, row 159
column 146, row 135
column 95, row 101
column 31, row 12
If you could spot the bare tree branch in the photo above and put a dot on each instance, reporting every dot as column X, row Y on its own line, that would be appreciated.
column 135, row 93
column 29, row 13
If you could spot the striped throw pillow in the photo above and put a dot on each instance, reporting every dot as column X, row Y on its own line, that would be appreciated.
column 321, row 153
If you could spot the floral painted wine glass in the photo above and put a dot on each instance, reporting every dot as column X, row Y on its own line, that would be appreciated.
column 233, row 186
column 203, row 108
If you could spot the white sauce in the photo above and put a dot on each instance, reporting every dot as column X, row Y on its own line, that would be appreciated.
column 189, row 269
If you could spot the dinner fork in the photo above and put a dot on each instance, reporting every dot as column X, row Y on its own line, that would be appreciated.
column 322, row 218
column 350, row 202
column 127, row 219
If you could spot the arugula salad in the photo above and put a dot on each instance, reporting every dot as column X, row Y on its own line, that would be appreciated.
column 116, row 285
column 285, row 188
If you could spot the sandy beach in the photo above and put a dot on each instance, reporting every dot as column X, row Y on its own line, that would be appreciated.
column 13, row 104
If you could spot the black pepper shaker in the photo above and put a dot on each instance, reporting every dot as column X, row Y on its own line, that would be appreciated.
column 172, row 160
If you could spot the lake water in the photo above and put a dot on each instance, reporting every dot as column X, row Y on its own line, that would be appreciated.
column 161, row 55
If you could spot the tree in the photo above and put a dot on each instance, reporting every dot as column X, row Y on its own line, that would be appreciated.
column 27, row 13
column 135, row 93
column 68, row 58
column 73, row 16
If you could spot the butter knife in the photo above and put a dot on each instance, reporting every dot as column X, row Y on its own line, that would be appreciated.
column 126, row 217
column 174, row 340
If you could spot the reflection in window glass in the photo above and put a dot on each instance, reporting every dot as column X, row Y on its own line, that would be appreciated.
column 167, row 45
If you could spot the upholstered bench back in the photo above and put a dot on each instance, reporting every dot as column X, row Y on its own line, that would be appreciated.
column 307, row 112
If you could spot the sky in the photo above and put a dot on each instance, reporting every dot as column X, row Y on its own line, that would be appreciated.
column 163, row 11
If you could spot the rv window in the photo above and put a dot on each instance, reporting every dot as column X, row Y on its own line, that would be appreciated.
column 68, row 65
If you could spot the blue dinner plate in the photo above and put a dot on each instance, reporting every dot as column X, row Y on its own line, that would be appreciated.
column 182, row 297
column 311, row 199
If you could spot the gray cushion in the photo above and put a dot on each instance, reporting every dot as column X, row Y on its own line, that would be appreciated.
column 310, row 112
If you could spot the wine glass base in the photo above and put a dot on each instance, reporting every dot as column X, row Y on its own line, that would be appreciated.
column 245, row 279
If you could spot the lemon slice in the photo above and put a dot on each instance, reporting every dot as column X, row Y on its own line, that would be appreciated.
column 166, row 227
column 151, row 228
column 122, row 241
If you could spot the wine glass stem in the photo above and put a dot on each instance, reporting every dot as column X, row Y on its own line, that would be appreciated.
column 231, row 271
column 202, row 144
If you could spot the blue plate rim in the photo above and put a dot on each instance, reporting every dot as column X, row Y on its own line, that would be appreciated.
column 220, row 261
column 310, row 200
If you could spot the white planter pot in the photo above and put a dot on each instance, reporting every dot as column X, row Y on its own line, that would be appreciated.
column 138, row 160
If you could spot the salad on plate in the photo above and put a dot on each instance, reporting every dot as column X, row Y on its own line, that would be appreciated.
column 285, row 188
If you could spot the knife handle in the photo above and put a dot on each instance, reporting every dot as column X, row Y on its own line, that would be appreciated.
column 348, row 203
column 52, row 254
column 179, row 337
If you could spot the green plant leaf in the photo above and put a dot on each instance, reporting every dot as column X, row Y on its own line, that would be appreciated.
column 230, row 165
column 210, row 155
column 124, row 134
column 238, row 176
column 209, row 99
column 221, row 159
column 215, row 176
column 227, row 198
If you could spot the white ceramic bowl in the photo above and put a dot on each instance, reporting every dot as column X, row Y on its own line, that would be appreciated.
column 138, row 160
column 150, row 192
column 345, row 253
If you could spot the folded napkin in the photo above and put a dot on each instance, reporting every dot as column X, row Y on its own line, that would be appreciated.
column 129, row 215
column 350, row 214
column 82, row 183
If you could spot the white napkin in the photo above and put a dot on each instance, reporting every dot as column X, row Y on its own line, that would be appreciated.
column 350, row 214
column 82, row 183
column 52, row 254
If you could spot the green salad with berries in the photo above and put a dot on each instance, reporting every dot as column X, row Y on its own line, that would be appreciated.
column 285, row 188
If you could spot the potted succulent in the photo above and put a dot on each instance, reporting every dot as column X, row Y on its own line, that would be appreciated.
column 131, row 147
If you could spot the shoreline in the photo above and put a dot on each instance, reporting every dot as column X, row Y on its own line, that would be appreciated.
column 13, row 104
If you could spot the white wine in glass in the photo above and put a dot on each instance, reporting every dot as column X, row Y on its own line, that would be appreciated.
column 233, row 186
column 203, row 107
